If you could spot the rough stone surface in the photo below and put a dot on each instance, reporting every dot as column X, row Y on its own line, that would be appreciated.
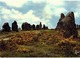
column 26, row 26
column 33, row 27
column 6, row 27
column 67, row 23
column 45, row 27
column 14, row 26
column 59, row 24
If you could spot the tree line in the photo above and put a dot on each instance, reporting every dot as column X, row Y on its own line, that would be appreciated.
column 25, row 26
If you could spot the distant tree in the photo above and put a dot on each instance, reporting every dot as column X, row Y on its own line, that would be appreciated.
column 6, row 27
column 37, row 27
column 33, row 27
column 26, row 26
column 40, row 26
column 14, row 26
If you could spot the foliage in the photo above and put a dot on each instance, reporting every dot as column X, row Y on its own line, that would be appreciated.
column 39, row 43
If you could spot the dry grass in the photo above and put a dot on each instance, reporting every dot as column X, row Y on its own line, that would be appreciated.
column 38, row 43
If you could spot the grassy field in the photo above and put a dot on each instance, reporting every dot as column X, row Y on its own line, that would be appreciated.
column 49, row 43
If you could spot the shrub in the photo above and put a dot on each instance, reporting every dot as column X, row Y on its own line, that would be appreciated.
column 3, row 45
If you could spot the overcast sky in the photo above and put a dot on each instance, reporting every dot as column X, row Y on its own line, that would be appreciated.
column 35, row 11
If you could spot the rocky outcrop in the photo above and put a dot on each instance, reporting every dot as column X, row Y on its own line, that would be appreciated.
column 67, row 23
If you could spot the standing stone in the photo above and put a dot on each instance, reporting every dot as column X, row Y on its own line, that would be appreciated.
column 26, row 26
column 33, row 27
column 37, row 27
column 40, row 26
column 45, row 27
column 14, row 26
column 60, row 24
column 67, row 24
column 78, row 26
column 6, row 27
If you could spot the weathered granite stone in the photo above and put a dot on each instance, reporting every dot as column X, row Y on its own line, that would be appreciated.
column 67, row 23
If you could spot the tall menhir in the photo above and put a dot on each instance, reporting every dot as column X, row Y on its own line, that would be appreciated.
column 67, row 24
column 14, row 26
